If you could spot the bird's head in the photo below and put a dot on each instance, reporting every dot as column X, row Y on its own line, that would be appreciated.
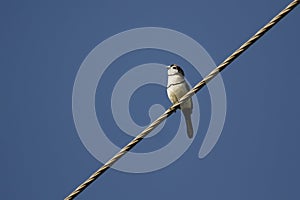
column 174, row 70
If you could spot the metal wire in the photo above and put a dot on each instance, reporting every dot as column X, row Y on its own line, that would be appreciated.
column 188, row 95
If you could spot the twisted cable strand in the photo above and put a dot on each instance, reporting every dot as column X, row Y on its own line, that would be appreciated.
column 184, row 98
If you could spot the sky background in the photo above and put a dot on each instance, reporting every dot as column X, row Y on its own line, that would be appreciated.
column 43, row 44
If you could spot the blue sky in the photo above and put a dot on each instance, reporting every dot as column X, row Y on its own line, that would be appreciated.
column 43, row 44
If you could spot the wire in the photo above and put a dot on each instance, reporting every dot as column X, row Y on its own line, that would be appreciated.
column 188, row 95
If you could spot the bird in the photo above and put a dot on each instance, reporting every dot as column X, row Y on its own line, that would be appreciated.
column 176, row 88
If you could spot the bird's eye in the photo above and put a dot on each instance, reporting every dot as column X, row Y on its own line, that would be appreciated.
column 173, row 67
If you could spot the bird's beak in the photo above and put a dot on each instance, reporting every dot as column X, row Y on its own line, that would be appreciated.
column 168, row 67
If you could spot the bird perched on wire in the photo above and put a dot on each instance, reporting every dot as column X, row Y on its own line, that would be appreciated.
column 176, row 88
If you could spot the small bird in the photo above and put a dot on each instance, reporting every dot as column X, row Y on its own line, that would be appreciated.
column 176, row 88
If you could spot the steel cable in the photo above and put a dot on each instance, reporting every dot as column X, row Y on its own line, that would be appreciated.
column 188, row 95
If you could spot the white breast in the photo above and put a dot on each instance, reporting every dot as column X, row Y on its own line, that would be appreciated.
column 178, row 87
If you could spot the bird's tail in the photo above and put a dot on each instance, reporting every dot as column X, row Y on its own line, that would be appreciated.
column 189, row 127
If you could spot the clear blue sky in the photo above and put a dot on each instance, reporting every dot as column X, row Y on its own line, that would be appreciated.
column 43, row 44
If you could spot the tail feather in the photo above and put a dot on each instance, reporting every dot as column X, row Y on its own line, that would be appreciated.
column 189, row 127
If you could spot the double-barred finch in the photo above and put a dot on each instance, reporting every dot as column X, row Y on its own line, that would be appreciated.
column 176, row 88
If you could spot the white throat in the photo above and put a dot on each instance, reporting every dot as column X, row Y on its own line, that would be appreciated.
column 175, row 79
